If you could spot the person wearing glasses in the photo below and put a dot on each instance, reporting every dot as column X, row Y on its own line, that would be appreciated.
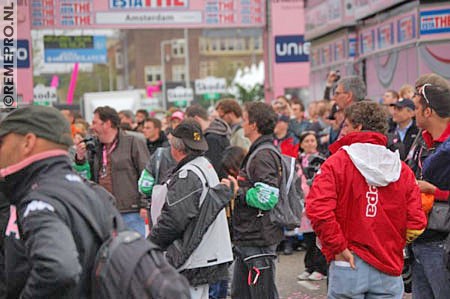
column 349, row 90
column 430, row 278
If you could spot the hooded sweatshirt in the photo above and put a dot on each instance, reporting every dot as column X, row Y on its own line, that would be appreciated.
column 217, row 136
column 364, row 198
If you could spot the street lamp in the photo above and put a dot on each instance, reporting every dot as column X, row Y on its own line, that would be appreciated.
column 163, row 72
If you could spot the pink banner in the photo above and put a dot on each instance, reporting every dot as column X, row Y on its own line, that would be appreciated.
column 73, row 84
column 55, row 82
column 25, row 74
column 51, row 14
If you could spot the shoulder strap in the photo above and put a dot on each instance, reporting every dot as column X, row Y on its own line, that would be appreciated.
column 158, row 155
column 253, row 154
column 197, row 170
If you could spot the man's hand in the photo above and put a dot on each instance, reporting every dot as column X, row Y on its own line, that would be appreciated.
column 143, row 213
column 231, row 182
column 81, row 150
column 346, row 256
column 426, row 187
column 332, row 76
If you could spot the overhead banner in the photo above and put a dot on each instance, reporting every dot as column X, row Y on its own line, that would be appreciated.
column 72, row 49
column 435, row 21
column 129, row 14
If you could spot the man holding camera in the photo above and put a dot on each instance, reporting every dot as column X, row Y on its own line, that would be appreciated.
column 116, row 162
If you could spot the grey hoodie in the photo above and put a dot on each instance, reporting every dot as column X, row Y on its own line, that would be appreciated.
column 219, row 127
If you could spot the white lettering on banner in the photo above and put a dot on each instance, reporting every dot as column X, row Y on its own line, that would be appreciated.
column 293, row 49
column 372, row 201
column 37, row 205
column 12, row 223
column 210, row 85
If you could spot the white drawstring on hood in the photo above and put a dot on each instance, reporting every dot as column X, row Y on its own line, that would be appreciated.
column 378, row 165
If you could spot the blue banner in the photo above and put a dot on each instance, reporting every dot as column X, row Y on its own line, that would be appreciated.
column 435, row 21
column 97, row 54
column 23, row 53
column 291, row 48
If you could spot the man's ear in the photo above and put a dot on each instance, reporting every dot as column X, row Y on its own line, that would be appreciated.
column 358, row 128
column 29, row 143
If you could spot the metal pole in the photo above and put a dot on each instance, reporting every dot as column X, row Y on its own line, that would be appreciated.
column 163, row 76
column 125, row 59
column 186, row 57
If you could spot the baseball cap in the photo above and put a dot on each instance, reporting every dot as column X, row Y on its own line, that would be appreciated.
column 404, row 103
column 177, row 114
column 190, row 132
column 45, row 122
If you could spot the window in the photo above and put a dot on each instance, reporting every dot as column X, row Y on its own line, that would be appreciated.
column 178, row 48
column 152, row 74
column 178, row 72
column 230, row 45
column 208, row 68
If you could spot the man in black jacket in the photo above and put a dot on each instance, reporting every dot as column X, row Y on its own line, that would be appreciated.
column 49, row 248
column 217, row 134
column 154, row 136
column 254, row 235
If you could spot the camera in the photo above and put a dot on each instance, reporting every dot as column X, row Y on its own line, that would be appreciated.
column 91, row 143
column 338, row 75
column 314, row 163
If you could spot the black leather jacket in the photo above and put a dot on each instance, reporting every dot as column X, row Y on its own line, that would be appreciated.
column 50, row 249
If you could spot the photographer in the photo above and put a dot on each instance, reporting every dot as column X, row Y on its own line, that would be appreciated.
column 116, row 162
column 332, row 78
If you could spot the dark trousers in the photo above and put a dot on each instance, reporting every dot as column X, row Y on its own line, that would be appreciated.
column 314, row 259
column 254, row 273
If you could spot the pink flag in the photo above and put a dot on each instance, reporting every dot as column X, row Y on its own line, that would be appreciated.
column 55, row 81
column 73, row 84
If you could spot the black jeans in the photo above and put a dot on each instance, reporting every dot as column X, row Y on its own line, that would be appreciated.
column 314, row 259
column 254, row 273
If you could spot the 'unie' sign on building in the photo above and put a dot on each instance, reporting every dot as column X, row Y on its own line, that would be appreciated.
column 291, row 48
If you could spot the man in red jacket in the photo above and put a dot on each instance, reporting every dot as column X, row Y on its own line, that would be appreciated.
column 364, row 206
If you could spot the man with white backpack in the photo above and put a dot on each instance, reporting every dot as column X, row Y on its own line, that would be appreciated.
column 192, row 226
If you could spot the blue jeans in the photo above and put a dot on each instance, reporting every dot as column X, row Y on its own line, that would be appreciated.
column 134, row 222
column 365, row 282
column 430, row 278
column 218, row 290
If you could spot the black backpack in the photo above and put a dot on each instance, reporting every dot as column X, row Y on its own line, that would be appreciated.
column 127, row 265
column 288, row 211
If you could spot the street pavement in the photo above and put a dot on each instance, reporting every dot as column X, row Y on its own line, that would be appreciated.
column 289, row 287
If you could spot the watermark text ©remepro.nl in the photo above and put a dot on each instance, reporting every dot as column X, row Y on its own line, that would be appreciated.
column 8, row 53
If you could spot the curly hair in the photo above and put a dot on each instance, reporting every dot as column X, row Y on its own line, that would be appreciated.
column 262, row 115
column 230, row 105
column 370, row 115
column 106, row 113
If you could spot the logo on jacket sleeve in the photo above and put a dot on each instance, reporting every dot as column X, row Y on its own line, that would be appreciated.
column 37, row 205
column 372, row 201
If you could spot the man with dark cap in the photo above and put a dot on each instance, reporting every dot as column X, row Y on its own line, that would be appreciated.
column 404, row 131
column 192, row 229
column 49, row 248
column 430, row 278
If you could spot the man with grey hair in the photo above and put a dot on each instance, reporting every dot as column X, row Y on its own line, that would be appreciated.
column 192, row 227
column 349, row 90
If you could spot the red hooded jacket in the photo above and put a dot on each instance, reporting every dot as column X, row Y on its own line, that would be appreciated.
column 364, row 198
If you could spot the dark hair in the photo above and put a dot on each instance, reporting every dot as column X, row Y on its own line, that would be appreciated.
column 143, row 111
column 156, row 122
column 196, row 110
column 232, row 158
column 297, row 101
column 370, row 115
column 230, row 105
column 106, row 113
column 306, row 134
column 262, row 115
column 438, row 97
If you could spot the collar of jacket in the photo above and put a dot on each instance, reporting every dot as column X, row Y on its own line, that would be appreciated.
column 358, row 137
column 184, row 161
column 261, row 139
column 429, row 139
column 19, row 178
column 162, row 138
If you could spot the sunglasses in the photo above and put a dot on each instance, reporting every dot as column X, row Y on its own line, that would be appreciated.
column 422, row 92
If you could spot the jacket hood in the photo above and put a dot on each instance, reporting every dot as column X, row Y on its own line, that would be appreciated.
column 368, row 152
column 219, row 127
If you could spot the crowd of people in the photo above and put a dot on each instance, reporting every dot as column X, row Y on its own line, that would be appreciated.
column 374, row 178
